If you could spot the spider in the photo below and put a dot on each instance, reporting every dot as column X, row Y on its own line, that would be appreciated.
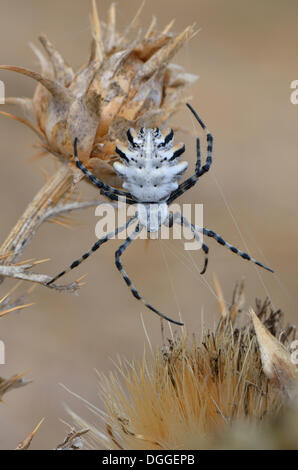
column 150, row 169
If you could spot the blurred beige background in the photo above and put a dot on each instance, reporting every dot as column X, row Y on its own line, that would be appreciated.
column 246, row 56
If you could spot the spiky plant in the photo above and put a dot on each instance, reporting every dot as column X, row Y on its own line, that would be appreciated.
column 127, row 81
column 219, row 392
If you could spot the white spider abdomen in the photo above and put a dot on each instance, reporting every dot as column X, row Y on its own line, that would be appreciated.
column 149, row 166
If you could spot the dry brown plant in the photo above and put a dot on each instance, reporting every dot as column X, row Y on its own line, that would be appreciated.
column 237, row 387
column 128, row 80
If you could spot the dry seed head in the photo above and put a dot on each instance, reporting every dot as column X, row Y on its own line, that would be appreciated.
column 276, row 360
column 200, row 394
column 193, row 394
column 124, row 83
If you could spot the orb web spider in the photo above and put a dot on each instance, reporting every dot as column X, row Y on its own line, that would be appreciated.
column 151, row 169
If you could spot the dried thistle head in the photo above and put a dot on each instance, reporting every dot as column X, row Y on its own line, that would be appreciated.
column 124, row 83
column 195, row 394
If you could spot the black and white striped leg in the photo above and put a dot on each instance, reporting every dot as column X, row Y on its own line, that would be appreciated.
column 221, row 241
column 129, row 283
column 199, row 171
column 184, row 222
column 95, row 247
column 170, row 220
column 198, row 163
column 106, row 189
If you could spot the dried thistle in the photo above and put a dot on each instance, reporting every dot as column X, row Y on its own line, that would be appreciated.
column 194, row 395
column 276, row 360
column 124, row 83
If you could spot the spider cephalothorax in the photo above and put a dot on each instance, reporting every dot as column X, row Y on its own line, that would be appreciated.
column 151, row 169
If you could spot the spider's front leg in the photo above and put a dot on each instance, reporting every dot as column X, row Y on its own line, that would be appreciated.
column 106, row 190
column 199, row 171
column 95, row 247
column 129, row 283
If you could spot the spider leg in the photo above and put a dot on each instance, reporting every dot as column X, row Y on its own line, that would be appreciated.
column 115, row 197
column 129, row 283
column 171, row 220
column 93, row 248
column 106, row 189
column 199, row 171
column 221, row 241
column 184, row 222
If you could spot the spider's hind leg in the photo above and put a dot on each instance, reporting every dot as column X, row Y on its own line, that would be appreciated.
column 95, row 247
column 235, row 250
column 184, row 222
column 129, row 283
column 219, row 239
